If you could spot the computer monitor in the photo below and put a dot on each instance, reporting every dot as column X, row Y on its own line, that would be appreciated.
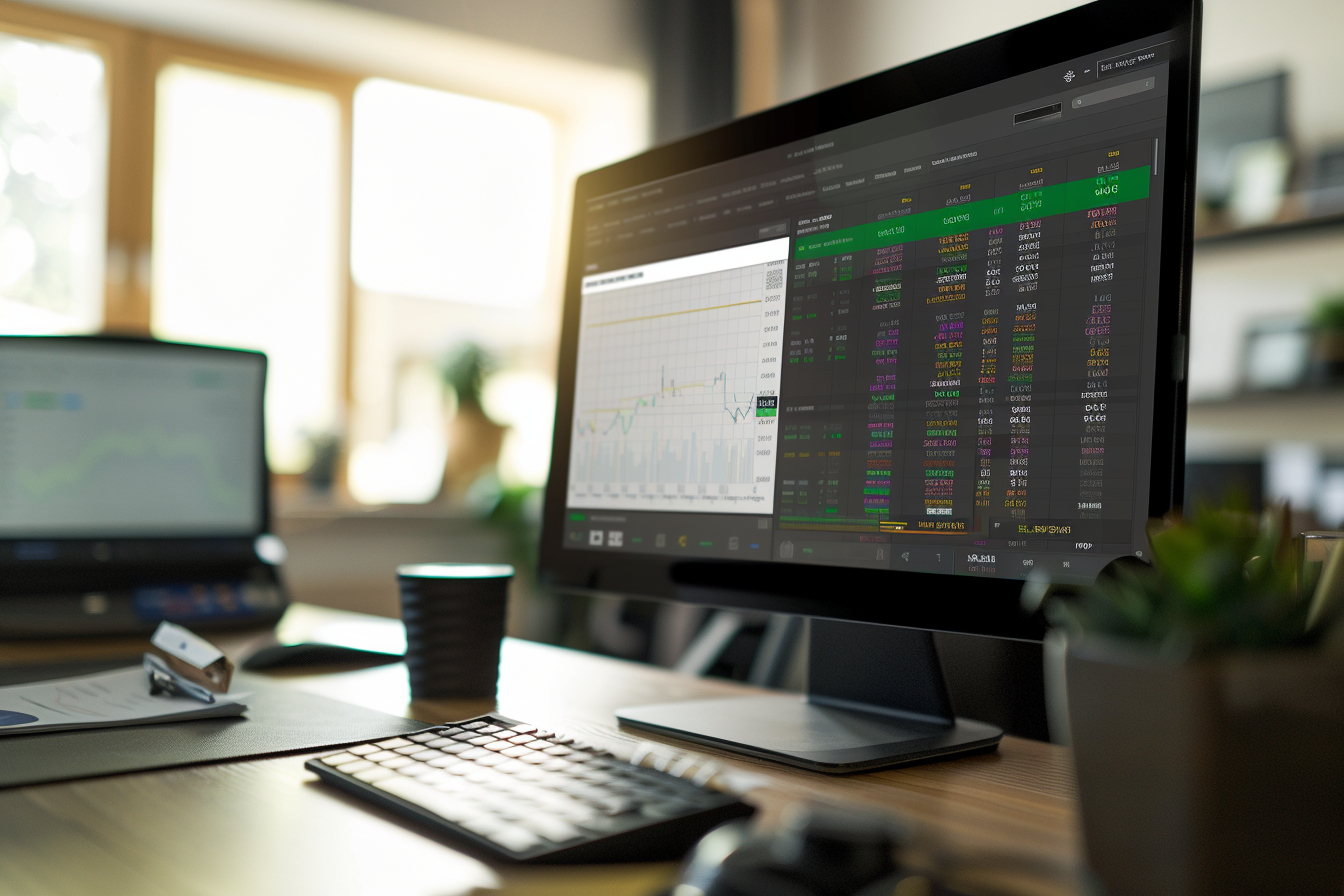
column 881, row 355
column 133, row 486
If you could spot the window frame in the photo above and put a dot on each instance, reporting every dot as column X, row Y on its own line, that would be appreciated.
column 580, row 99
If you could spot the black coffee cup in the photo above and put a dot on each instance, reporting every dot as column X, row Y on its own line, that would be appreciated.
column 454, row 615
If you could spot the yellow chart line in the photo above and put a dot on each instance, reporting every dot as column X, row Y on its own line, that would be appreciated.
column 628, row 320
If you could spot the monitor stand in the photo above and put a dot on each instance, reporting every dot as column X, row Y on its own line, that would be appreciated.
column 875, row 698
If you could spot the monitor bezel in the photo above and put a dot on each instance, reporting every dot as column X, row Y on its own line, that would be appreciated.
column 117, row 556
column 969, row 604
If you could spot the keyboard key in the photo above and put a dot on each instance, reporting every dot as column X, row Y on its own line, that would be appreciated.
column 426, row 755
column 482, row 740
column 398, row 762
column 363, row 749
column 534, row 758
column 490, row 729
column 666, row 809
column 339, row 758
column 515, row 838
column 408, row 750
column 393, row 743
column 497, row 746
column 557, row 751
column 484, row 823
column 412, row 791
column 472, row 726
column 375, row 774
column 555, row 765
column 358, row 765
column 514, row 752
column 491, row 760
column 439, row 743
column 475, row 753
column 603, row 823
column 615, row 805
column 444, row 762
column 521, row 739
column 423, row 737
column 506, row 809
column 524, row 729
column 557, row 830
column 466, row 736
column 417, row 769
column 381, row 755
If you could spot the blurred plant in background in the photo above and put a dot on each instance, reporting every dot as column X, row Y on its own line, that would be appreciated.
column 466, row 366
column 1327, row 345
column 474, row 439
column 1328, row 315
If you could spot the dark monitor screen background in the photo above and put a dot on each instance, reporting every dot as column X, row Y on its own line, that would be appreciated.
column 924, row 342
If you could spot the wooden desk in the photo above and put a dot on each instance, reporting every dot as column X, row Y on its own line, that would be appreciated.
column 267, row 826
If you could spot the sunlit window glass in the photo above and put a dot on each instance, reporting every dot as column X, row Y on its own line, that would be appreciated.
column 53, row 167
column 246, row 238
column 451, row 196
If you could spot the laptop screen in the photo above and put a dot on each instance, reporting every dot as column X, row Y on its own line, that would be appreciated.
column 127, row 439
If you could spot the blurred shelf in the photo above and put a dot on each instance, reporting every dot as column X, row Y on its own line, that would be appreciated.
column 1283, row 228
column 1243, row 426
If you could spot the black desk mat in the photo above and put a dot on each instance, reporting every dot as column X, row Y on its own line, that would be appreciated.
column 279, row 719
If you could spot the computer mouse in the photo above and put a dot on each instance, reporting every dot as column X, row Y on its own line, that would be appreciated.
column 289, row 656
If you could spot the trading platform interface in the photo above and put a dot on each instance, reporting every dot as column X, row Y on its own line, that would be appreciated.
column 113, row 440
column 921, row 342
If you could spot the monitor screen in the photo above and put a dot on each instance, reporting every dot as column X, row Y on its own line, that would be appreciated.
column 127, row 439
column 927, row 341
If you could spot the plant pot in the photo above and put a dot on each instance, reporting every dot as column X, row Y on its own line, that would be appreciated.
column 1327, row 358
column 474, row 441
column 1220, row 777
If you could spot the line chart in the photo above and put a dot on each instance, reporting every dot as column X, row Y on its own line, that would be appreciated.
column 152, row 442
column 674, row 406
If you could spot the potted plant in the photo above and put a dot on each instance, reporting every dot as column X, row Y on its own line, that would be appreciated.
column 474, row 439
column 1327, row 345
column 1205, row 699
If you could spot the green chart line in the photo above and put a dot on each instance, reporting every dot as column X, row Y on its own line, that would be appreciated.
column 154, row 441
column 625, row 419
column 1027, row 205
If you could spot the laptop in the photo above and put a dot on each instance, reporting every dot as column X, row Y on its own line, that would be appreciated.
column 133, row 487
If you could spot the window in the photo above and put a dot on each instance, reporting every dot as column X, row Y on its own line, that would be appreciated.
column 53, row 167
column 307, row 200
column 451, row 231
column 451, row 196
column 247, row 248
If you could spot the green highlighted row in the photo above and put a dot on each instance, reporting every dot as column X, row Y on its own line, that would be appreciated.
column 1027, row 205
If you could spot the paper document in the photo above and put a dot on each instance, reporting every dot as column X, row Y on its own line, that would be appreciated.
column 107, row 700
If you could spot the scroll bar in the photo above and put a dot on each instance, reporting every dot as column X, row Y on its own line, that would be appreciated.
column 1155, row 139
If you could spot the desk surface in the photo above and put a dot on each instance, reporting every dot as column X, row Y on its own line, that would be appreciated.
column 267, row 826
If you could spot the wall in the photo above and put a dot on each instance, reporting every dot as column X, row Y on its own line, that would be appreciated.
column 829, row 42
column 609, row 32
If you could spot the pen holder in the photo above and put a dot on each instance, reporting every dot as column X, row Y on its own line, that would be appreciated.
column 454, row 615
